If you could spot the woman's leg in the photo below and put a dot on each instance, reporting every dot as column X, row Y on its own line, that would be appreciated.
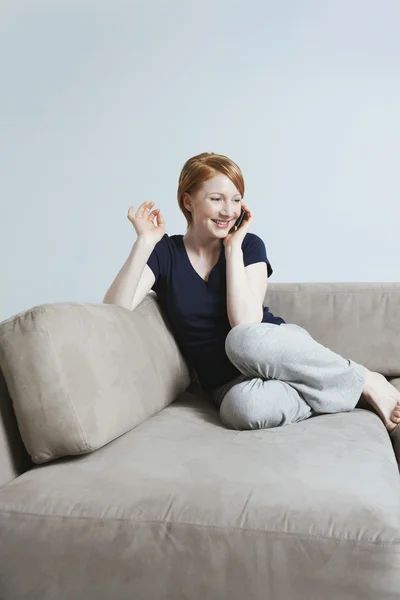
column 260, row 404
column 287, row 376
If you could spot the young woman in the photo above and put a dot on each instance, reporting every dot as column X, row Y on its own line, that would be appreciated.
column 211, row 283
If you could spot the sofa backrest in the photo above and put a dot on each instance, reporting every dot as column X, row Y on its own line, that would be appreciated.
column 360, row 321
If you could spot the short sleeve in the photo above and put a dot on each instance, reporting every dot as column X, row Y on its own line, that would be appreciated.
column 157, row 261
column 254, row 251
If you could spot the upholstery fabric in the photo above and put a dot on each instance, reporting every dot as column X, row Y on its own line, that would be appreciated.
column 80, row 375
column 182, row 508
column 161, row 501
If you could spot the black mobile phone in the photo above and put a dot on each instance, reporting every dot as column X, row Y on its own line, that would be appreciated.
column 243, row 216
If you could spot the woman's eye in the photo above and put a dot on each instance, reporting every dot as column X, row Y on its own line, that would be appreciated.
column 237, row 200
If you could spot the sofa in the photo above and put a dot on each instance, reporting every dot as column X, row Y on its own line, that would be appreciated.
column 118, row 480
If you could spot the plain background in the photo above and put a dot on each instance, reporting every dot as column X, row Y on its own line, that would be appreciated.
column 101, row 104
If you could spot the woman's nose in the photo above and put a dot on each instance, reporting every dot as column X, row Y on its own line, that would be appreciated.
column 228, row 211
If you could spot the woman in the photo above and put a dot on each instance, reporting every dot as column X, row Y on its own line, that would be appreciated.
column 211, row 283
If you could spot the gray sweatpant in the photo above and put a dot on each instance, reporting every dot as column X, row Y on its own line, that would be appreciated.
column 286, row 376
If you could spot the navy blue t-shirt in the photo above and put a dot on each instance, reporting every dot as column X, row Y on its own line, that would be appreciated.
column 197, row 309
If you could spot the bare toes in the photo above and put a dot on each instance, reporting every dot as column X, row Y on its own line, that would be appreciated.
column 395, row 416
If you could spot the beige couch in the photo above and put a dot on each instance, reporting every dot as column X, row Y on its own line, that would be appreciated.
column 136, row 490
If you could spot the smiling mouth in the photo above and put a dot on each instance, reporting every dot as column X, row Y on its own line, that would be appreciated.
column 221, row 224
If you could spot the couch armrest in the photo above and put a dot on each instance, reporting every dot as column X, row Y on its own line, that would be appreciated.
column 395, row 435
column 14, row 459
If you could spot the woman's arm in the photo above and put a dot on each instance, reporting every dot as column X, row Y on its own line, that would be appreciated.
column 123, row 288
column 243, row 305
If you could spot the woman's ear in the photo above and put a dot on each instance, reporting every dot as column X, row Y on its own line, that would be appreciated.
column 187, row 202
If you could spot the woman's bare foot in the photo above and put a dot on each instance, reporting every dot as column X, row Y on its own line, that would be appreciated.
column 384, row 397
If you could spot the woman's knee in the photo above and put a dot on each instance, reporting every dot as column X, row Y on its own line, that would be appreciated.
column 242, row 339
column 241, row 410
column 236, row 335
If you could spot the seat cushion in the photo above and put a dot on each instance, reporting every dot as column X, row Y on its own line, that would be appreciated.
column 181, row 507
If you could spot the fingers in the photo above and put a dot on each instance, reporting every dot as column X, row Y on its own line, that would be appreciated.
column 156, row 213
column 143, row 208
column 153, row 214
column 247, row 209
column 141, row 211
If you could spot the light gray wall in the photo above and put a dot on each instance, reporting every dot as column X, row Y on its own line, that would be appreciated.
column 102, row 102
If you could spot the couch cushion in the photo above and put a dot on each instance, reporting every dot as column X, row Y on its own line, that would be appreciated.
column 181, row 507
column 360, row 321
column 80, row 375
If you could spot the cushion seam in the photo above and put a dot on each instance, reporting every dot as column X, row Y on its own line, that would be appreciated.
column 205, row 526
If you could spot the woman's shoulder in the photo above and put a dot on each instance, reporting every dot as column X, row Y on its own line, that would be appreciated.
column 252, row 240
column 170, row 239
column 168, row 244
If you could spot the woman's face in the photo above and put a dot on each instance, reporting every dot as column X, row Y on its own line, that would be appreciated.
column 217, row 200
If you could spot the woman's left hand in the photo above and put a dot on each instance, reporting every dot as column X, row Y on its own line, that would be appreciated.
column 236, row 237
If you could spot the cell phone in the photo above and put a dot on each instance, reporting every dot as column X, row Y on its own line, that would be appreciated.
column 243, row 217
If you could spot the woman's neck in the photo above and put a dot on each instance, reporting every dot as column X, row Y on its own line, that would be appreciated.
column 202, row 246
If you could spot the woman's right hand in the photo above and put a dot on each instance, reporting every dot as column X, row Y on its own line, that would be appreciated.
column 143, row 222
